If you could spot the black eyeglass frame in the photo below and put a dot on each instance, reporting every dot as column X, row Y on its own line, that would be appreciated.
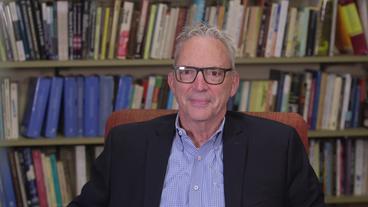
column 197, row 69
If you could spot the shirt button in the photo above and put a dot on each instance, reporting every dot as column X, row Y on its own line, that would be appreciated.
column 199, row 158
column 195, row 187
column 180, row 133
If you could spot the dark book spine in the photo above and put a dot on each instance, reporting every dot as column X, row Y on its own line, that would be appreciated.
column 32, row 28
column 70, row 29
column 40, row 35
column 312, row 28
column 22, row 5
column 92, row 29
column 85, row 28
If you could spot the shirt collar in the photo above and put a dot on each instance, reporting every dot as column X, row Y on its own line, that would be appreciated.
column 214, row 142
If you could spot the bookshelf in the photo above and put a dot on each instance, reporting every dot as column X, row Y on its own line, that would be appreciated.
column 154, row 63
column 141, row 66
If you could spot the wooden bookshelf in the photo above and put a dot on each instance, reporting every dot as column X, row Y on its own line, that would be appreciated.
column 168, row 62
column 351, row 133
column 346, row 199
column 60, row 140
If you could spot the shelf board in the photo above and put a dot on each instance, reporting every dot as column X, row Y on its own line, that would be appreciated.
column 358, row 132
column 60, row 140
column 346, row 199
column 168, row 62
column 25, row 142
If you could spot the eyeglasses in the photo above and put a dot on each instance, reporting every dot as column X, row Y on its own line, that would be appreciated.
column 211, row 75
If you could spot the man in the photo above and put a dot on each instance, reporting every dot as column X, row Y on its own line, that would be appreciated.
column 204, row 155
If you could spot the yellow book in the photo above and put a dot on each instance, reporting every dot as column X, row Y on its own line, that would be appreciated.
column 97, row 33
column 151, row 22
column 105, row 33
column 115, row 22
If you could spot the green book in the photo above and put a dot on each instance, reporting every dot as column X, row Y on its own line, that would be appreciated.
column 55, row 178
column 151, row 22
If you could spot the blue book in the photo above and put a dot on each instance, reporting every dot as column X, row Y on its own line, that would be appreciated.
column 70, row 106
column 316, row 76
column 170, row 100
column 106, row 102
column 200, row 10
column 356, row 107
column 36, row 107
column 53, row 109
column 6, row 179
column 91, row 106
column 55, row 178
column 2, row 192
column 123, row 96
column 80, row 104
column 23, row 33
column 30, row 181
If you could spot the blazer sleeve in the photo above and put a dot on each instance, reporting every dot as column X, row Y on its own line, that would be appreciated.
column 95, row 193
column 304, row 188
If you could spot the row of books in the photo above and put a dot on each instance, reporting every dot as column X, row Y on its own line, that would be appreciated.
column 44, row 177
column 325, row 100
column 341, row 165
column 69, row 29
column 77, row 105
column 80, row 105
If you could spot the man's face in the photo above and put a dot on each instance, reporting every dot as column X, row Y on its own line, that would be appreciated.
column 200, row 101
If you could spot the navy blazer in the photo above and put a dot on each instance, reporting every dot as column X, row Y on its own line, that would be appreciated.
column 265, row 165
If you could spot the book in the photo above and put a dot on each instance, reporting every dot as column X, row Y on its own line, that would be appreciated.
column 53, row 107
column 6, row 179
column 70, row 107
column 122, row 49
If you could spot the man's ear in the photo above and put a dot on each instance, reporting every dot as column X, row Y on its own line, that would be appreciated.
column 170, row 81
column 234, row 83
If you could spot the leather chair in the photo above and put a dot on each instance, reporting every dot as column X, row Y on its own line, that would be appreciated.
column 137, row 115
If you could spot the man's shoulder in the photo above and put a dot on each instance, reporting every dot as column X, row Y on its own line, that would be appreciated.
column 143, row 126
column 253, row 122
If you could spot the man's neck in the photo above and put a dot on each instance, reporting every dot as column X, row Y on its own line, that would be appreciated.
column 200, row 132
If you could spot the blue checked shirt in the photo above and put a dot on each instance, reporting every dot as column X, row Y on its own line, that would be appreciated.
column 194, row 176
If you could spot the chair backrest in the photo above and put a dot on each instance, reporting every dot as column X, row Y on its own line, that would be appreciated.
column 136, row 115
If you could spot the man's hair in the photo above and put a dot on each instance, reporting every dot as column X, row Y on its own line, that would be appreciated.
column 204, row 30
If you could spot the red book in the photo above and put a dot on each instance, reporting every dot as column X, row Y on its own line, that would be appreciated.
column 41, row 189
column 353, row 24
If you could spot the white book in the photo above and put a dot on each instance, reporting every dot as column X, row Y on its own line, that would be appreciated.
column 6, row 108
column 333, row 27
column 158, row 31
column 5, row 15
column 281, row 28
column 244, row 97
column 212, row 19
column 359, row 165
column 165, row 32
column 334, row 114
column 328, row 100
column 345, row 102
column 241, row 47
column 14, row 134
column 80, row 167
column 271, row 34
column 171, row 35
column 137, row 96
column 274, row 94
column 291, row 33
column 62, row 29
column 150, row 89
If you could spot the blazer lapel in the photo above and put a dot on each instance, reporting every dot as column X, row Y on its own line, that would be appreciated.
column 235, row 143
column 158, row 152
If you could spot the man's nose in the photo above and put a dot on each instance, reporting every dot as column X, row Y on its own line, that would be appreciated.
column 199, row 83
